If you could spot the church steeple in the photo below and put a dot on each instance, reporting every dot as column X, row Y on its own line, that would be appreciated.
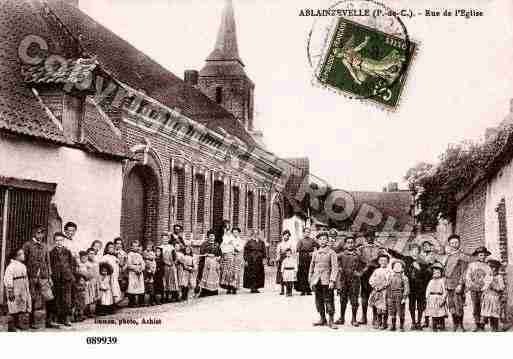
column 223, row 78
column 226, row 47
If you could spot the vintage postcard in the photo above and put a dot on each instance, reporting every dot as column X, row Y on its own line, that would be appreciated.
column 234, row 165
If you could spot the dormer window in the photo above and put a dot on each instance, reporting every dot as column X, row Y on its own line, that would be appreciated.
column 219, row 94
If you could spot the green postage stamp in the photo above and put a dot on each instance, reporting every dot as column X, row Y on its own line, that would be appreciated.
column 365, row 63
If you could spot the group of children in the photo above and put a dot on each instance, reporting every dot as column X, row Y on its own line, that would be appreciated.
column 391, row 289
column 94, row 283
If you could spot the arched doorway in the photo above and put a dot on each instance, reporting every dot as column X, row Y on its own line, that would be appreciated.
column 140, row 205
column 276, row 223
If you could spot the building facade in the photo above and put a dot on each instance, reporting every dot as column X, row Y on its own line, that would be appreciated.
column 119, row 144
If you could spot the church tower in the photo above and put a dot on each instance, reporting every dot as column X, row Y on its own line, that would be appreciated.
column 223, row 78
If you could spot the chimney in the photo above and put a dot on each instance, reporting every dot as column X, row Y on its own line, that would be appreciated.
column 191, row 77
column 511, row 105
column 491, row 133
column 392, row 187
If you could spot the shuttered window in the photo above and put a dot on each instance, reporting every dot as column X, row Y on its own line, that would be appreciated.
column 250, row 209
column 236, row 206
column 200, row 188
column 263, row 214
column 180, row 194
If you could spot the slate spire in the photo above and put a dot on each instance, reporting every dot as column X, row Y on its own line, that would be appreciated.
column 226, row 47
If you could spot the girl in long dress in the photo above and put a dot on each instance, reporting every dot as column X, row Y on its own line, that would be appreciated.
column 188, row 268
column 171, row 283
column 232, row 261
column 17, row 287
column 93, row 267
column 110, row 257
column 436, row 298
column 491, row 305
column 106, row 284
column 379, row 281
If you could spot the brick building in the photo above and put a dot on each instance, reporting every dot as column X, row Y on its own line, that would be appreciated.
column 485, row 208
column 154, row 150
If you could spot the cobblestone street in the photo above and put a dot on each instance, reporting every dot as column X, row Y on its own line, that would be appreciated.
column 245, row 311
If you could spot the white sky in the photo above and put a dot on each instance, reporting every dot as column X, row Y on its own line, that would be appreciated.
column 460, row 83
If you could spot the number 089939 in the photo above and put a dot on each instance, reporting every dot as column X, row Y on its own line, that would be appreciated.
column 101, row 340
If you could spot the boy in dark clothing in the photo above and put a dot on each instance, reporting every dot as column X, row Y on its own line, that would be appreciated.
column 396, row 293
column 63, row 268
column 419, row 275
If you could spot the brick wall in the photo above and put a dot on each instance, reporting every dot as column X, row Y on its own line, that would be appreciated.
column 470, row 218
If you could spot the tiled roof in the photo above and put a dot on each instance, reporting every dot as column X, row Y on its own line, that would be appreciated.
column 98, row 134
column 20, row 111
column 132, row 67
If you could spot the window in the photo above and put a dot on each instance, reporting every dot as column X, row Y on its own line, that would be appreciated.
column 236, row 206
column 200, row 198
column 263, row 206
column 250, row 207
column 219, row 94
column 180, row 193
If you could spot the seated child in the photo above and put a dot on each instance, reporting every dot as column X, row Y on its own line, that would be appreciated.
column 491, row 305
column 436, row 298
column 289, row 268
column 17, row 287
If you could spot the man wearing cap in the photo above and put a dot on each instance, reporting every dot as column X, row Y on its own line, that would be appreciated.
column 477, row 272
column 369, row 254
column 37, row 261
column 322, row 277
column 456, row 263
column 305, row 247
column 350, row 265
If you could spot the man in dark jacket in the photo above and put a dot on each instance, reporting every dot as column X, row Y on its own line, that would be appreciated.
column 63, row 269
column 37, row 261
column 350, row 266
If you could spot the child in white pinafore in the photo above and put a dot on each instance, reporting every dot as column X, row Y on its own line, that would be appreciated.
column 289, row 268
column 436, row 298
column 491, row 304
column 187, row 268
column 17, row 287
column 105, row 286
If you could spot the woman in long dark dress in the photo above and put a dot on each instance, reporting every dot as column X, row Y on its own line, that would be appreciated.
column 305, row 247
column 209, row 269
column 254, row 271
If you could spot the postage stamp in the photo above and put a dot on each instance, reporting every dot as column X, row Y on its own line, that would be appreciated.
column 366, row 63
